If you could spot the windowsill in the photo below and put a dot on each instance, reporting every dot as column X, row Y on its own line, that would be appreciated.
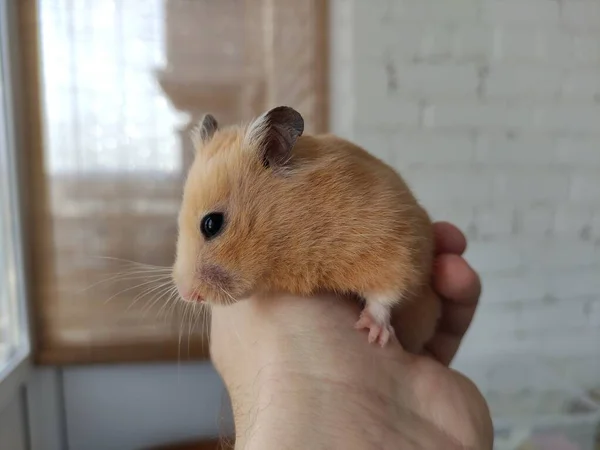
column 12, row 375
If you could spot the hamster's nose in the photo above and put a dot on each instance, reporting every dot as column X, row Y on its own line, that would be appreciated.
column 192, row 296
column 189, row 294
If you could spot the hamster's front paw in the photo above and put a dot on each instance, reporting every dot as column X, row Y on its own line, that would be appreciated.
column 380, row 329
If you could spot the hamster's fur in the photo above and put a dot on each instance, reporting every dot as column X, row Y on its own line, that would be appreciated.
column 304, row 214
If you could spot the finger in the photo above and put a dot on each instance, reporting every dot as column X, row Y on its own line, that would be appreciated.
column 443, row 347
column 448, row 239
column 456, row 318
column 459, row 288
column 455, row 280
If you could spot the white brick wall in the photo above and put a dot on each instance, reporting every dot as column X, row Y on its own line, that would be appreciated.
column 491, row 110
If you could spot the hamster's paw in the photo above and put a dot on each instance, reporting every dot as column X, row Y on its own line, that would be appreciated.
column 380, row 329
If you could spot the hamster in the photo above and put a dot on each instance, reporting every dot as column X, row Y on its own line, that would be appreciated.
column 266, row 209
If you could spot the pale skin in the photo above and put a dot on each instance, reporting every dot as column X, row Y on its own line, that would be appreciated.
column 300, row 376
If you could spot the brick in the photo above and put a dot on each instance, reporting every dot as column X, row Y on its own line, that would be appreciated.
column 557, row 48
column 581, row 14
column 578, row 151
column 574, row 222
column 370, row 79
column 595, row 225
column 562, row 343
column 342, row 103
column 406, row 42
column 522, row 82
column 552, row 253
column 586, row 49
column 530, row 12
column 571, row 343
column 372, row 14
column 569, row 119
column 460, row 216
column 516, row 148
column 494, row 320
column 576, row 283
column 517, row 44
column 459, row 11
column 581, row 370
column 530, row 187
column 477, row 345
column 465, row 43
column 594, row 306
column 525, row 44
column 385, row 112
column 409, row 41
column 582, row 85
column 543, row 316
column 494, row 256
column 474, row 116
column 436, row 81
column 586, row 188
column 473, row 43
column 390, row 77
column 537, row 220
column 437, row 42
column 436, row 185
column 500, row 288
column 376, row 143
column 494, row 221
column 433, row 148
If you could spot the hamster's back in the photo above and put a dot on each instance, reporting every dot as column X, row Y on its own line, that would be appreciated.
column 358, row 220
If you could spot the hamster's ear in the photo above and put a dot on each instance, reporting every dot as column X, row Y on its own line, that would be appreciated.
column 204, row 131
column 275, row 133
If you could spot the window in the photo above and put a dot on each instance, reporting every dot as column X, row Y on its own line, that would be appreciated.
column 14, row 341
column 106, row 113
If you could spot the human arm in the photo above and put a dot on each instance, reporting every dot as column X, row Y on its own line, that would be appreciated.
column 300, row 376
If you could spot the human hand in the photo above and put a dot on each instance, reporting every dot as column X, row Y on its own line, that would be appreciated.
column 300, row 376
column 458, row 287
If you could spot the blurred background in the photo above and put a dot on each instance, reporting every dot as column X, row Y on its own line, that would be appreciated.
column 489, row 108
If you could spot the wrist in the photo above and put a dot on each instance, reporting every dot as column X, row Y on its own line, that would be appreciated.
column 300, row 376
column 285, row 409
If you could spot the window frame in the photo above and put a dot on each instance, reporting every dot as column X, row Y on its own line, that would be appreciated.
column 16, row 370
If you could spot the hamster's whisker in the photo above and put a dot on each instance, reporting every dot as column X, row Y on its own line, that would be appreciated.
column 123, row 277
column 129, row 261
column 176, row 301
column 228, row 294
column 205, row 322
column 155, row 295
column 139, row 270
column 146, row 292
column 191, row 322
column 197, row 313
column 168, row 294
column 182, row 320
column 129, row 289
column 181, row 328
column 172, row 295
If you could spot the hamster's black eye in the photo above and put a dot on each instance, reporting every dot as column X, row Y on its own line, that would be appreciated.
column 211, row 225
